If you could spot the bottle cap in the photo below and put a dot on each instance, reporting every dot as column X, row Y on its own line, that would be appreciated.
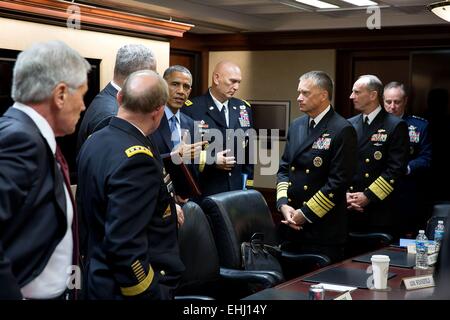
column 421, row 231
column 440, row 221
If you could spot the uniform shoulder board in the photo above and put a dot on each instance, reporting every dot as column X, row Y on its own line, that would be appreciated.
column 420, row 118
column 247, row 103
column 188, row 103
column 131, row 151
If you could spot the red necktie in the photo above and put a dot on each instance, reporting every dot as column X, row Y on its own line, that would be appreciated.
column 65, row 171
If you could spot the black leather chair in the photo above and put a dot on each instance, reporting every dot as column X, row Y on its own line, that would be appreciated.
column 441, row 211
column 235, row 216
column 363, row 242
column 203, row 278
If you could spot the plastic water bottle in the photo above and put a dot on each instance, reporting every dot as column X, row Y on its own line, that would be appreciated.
column 421, row 250
column 439, row 234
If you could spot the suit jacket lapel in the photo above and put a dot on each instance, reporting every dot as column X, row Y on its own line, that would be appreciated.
column 186, row 125
column 164, row 131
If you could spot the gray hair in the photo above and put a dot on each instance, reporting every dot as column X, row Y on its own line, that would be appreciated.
column 320, row 79
column 395, row 84
column 44, row 65
column 176, row 68
column 144, row 100
column 373, row 83
column 131, row 58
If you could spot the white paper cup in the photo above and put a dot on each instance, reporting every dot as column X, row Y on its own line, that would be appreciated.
column 380, row 268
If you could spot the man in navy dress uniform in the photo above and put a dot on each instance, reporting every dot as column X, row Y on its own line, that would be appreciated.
column 410, row 195
column 38, row 247
column 315, row 171
column 175, row 136
column 128, row 200
column 226, row 164
column 383, row 148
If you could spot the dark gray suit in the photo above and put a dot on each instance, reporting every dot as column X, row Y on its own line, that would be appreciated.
column 98, row 114
column 32, row 203
column 161, row 139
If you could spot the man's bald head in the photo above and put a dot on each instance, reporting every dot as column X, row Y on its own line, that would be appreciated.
column 144, row 91
column 226, row 79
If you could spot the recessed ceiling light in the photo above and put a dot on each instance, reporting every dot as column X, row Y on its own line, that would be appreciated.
column 441, row 9
column 318, row 4
column 361, row 3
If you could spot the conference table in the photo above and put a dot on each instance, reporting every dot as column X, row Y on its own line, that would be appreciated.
column 354, row 274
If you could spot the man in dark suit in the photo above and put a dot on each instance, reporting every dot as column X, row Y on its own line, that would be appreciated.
column 226, row 164
column 37, row 245
column 383, row 148
column 129, row 58
column 175, row 135
column 315, row 171
column 128, row 201
column 409, row 198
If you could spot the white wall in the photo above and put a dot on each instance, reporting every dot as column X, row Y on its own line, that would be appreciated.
column 19, row 35
column 273, row 75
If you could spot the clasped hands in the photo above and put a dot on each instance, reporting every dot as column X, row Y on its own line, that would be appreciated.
column 356, row 201
column 293, row 218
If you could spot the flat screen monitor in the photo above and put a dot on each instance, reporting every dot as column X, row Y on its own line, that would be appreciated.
column 269, row 115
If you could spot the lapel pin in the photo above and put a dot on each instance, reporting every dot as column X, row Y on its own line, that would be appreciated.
column 211, row 108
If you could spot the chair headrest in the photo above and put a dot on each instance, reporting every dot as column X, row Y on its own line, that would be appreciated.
column 197, row 248
column 235, row 216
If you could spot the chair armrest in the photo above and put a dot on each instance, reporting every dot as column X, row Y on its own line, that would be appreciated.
column 193, row 298
column 380, row 237
column 306, row 259
column 264, row 279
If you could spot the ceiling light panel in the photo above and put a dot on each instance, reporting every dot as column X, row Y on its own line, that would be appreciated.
column 361, row 3
column 318, row 4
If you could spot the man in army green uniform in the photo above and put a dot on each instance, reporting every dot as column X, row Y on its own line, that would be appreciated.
column 383, row 147
column 315, row 171
column 223, row 169
column 128, row 201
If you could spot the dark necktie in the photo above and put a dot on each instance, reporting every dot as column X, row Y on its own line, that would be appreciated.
column 224, row 112
column 175, row 137
column 366, row 124
column 65, row 172
column 312, row 124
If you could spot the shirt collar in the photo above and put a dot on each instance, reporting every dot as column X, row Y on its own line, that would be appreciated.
column 218, row 104
column 41, row 123
column 115, row 85
column 321, row 115
column 373, row 114
column 170, row 114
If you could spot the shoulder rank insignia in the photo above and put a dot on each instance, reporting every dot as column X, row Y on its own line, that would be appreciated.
column 131, row 151
column 247, row 103
column 420, row 118
column 188, row 103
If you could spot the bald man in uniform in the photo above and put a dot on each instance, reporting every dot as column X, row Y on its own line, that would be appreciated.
column 133, row 250
column 226, row 167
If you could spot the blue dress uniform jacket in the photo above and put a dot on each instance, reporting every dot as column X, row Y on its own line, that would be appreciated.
column 161, row 139
column 213, row 180
column 132, row 247
column 314, row 174
column 410, row 196
column 419, row 145
column 382, row 160
column 32, row 203
column 98, row 114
